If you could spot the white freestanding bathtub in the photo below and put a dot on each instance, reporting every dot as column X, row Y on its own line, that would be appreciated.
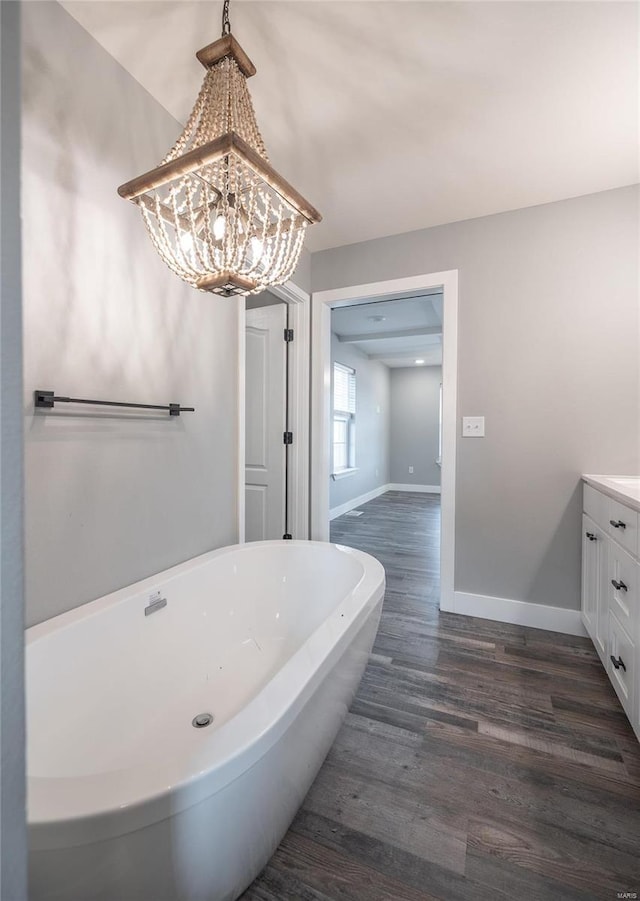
column 128, row 800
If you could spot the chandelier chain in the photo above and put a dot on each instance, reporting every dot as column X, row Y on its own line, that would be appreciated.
column 226, row 24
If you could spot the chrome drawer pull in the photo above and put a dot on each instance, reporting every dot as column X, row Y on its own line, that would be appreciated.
column 618, row 525
column 619, row 586
column 618, row 663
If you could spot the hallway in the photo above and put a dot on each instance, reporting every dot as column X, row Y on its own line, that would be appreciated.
column 479, row 760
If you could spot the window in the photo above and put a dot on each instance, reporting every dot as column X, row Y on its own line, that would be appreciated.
column 344, row 418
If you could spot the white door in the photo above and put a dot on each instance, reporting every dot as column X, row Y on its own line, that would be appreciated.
column 265, row 423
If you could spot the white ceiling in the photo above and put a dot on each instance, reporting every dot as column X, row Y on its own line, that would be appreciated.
column 395, row 332
column 393, row 116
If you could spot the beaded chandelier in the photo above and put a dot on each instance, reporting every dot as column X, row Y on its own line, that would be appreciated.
column 216, row 211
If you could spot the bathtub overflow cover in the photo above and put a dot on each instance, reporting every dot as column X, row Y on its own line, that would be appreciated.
column 202, row 720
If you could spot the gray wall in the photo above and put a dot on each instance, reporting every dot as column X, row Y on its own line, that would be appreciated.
column 111, row 497
column 415, row 407
column 548, row 353
column 302, row 275
column 372, row 427
column 13, row 842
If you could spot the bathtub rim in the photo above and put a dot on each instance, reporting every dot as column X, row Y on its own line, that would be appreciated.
column 245, row 737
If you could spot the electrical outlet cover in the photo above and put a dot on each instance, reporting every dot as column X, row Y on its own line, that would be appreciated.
column 473, row 426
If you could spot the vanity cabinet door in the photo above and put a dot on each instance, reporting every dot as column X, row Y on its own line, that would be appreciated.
column 621, row 666
column 595, row 609
column 623, row 587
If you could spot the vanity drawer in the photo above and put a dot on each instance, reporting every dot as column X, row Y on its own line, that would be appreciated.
column 621, row 664
column 623, row 587
column 595, row 504
column 623, row 526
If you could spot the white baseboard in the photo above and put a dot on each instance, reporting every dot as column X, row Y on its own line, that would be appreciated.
column 523, row 613
column 422, row 489
column 356, row 501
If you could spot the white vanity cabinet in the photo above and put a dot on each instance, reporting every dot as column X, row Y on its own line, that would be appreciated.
column 595, row 612
column 611, row 582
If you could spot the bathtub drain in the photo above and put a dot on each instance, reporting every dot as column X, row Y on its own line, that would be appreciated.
column 202, row 720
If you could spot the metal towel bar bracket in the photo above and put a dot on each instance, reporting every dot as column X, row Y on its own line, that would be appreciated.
column 47, row 399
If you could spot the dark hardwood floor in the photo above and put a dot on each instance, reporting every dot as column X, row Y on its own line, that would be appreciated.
column 479, row 760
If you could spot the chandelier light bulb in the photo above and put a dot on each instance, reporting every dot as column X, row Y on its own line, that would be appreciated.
column 186, row 242
column 219, row 228
column 256, row 249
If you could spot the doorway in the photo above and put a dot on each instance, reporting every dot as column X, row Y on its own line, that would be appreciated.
column 321, row 454
column 288, row 398
column 386, row 363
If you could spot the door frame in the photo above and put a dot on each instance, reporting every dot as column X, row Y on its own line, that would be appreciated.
column 323, row 303
column 298, row 303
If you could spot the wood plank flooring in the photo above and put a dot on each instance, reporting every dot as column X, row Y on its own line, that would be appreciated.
column 479, row 760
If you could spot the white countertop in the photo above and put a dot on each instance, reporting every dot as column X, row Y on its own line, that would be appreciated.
column 625, row 489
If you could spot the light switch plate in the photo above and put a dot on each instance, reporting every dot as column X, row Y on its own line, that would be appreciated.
column 473, row 426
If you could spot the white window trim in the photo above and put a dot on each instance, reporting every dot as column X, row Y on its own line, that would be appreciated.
column 343, row 473
column 349, row 418
column 440, row 415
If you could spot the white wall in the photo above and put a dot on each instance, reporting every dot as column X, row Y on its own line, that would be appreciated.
column 548, row 353
column 415, row 407
column 372, row 425
column 13, row 842
column 111, row 497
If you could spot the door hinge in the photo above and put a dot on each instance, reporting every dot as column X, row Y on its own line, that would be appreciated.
column 288, row 438
column 288, row 335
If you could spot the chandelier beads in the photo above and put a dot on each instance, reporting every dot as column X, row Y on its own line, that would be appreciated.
column 217, row 213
